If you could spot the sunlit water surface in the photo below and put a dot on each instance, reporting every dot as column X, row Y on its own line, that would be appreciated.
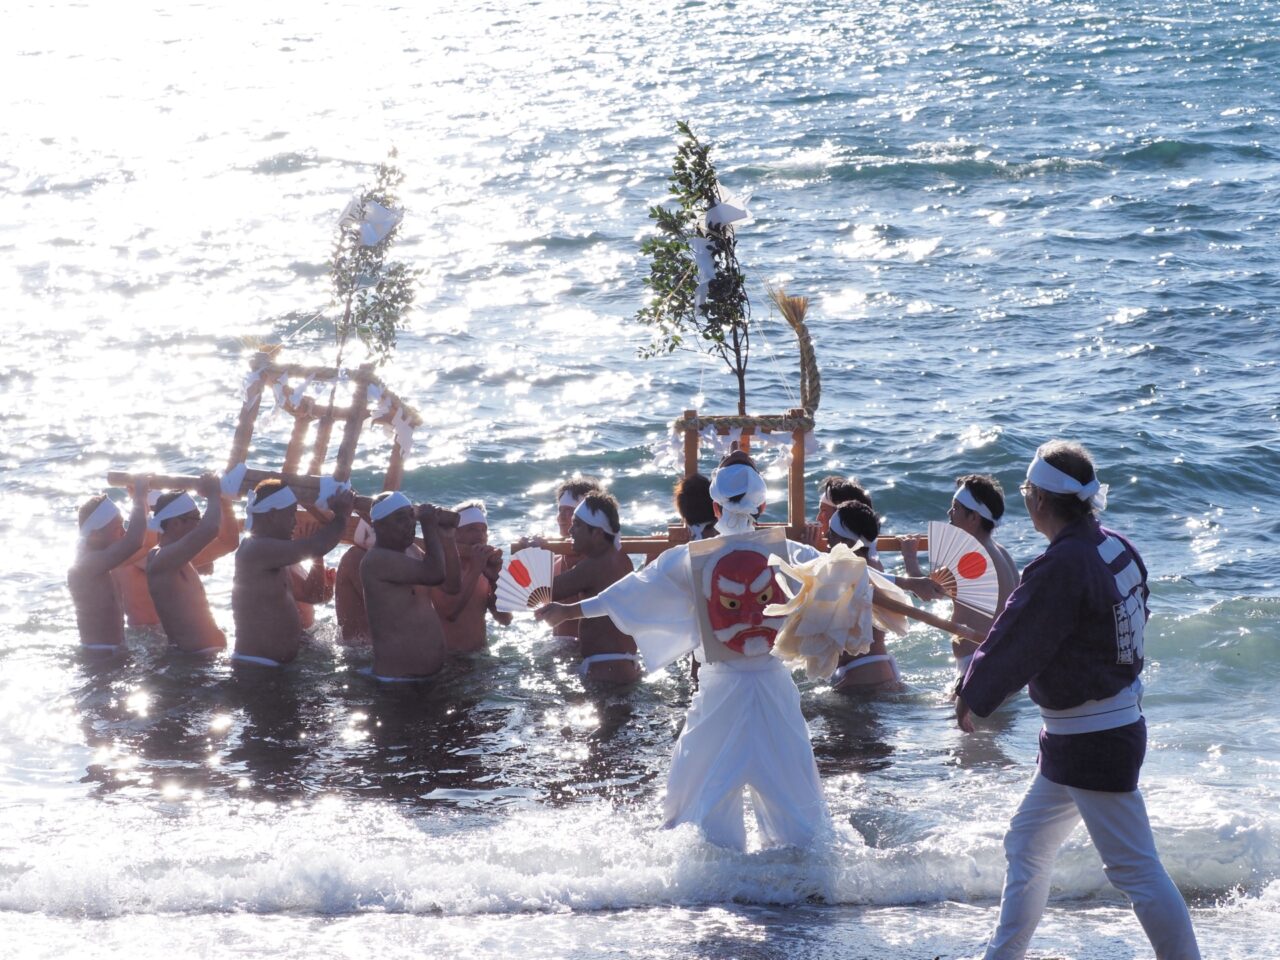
column 1015, row 220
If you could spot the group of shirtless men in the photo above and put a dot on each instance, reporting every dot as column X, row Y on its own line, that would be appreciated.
column 416, row 601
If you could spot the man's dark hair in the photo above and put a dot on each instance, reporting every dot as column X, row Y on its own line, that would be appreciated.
column 844, row 490
column 578, row 487
column 1073, row 460
column 693, row 499
column 607, row 504
column 859, row 518
column 987, row 491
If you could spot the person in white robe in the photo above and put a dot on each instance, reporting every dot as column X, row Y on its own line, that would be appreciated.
column 744, row 728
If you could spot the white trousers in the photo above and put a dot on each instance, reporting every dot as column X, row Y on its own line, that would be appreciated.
column 745, row 729
column 1118, row 825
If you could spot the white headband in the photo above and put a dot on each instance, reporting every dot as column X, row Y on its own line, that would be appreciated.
column 1048, row 477
column 102, row 515
column 472, row 514
column 280, row 500
column 844, row 533
column 737, row 480
column 364, row 536
column 967, row 499
column 389, row 505
column 696, row 530
column 179, row 506
column 597, row 519
column 568, row 499
column 826, row 498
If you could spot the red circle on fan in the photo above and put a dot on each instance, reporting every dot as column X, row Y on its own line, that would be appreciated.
column 972, row 566
column 520, row 573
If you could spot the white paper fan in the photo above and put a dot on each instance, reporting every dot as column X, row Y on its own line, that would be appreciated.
column 962, row 567
column 525, row 581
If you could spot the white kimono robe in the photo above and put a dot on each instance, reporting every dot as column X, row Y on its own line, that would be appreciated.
column 744, row 727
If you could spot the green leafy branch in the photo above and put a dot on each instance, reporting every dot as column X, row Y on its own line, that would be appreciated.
column 375, row 294
column 717, row 322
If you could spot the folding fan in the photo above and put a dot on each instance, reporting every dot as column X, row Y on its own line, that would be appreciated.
column 962, row 567
column 525, row 582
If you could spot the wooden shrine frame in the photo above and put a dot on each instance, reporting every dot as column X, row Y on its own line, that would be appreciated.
column 306, row 486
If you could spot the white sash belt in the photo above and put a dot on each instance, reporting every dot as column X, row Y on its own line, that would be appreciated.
column 1091, row 716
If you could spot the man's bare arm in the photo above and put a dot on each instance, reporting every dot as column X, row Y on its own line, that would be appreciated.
column 570, row 583
column 177, row 555
column 228, row 537
column 104, row 561
column 452, row 608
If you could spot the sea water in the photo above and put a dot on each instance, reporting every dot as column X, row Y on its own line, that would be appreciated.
column 1015, row 221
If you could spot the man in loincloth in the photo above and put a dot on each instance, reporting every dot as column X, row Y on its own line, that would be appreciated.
column 348, row 591
column 408, row 640
column 568, row 495
column 104, row 545
column 694, row 504
column 608, row 654
column 855, row 524
column 832, row 492
column 744, row 727
column 463, row 614
column 131, row 576
column 268, row 625
column 976, row 508
column 173, row 582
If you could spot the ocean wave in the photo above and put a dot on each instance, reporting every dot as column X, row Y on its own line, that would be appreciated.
column 334, row 860
column 1175, row 153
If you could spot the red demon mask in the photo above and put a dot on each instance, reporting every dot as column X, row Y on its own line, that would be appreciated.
column 742, row 585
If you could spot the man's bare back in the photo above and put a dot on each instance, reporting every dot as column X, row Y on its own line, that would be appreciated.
column 408, row 640
column 268, row 624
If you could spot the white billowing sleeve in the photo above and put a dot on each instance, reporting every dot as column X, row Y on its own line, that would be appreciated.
column 655, row 606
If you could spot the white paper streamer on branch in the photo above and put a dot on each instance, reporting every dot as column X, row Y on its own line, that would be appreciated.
column 377, row 223
column 705, row 259
column 729, row 211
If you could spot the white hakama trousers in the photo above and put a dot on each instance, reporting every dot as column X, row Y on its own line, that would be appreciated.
column 1118, row 825
column 745, row 729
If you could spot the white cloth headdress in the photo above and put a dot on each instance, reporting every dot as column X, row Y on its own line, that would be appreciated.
column 1048, row 477
column 597, row 519
column 475, row 513
column 966, row 499
column 280, row 500
column 569, row 499
column 844, row 533
column 102, row 515
column 389, row 505
column 738, row 480
column 179, row 506
column 364, row 536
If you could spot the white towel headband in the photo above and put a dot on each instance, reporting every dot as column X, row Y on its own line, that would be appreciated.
column 389, row 505
column 965, row 498
column 597, row 519
column 179, row 506
column 1048, row 477
column 102, row 515
column 473, row 514
column 844, row 533
column 282, row 498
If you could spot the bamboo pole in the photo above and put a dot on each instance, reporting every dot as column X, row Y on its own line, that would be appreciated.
column 886, row 602
column 323, row 432
column 351, row 429
column 690, row 445
column 795, row 484
column 395, row 468
column 305, row 488
column 297, row 442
